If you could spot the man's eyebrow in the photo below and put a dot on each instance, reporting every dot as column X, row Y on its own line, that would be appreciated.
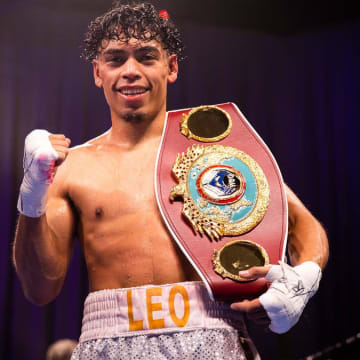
column 148, row 48
column 142, row 49
column 114, row 52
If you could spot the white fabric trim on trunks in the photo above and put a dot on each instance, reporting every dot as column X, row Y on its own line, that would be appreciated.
column 155, row 309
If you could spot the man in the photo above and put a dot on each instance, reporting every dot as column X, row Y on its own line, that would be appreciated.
column 145, row 299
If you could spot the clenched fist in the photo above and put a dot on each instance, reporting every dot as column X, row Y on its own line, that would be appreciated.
column 43, row 152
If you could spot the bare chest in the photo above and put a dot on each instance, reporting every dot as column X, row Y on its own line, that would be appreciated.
column 112, row 185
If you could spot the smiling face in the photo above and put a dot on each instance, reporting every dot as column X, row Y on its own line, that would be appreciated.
column 134, row 76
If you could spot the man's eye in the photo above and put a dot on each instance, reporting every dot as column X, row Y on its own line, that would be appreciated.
column 147, row 57
column 115, row 60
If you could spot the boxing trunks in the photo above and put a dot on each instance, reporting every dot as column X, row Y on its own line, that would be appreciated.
column 174, row 321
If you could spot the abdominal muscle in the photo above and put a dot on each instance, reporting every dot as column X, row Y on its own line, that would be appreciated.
column 131, row 251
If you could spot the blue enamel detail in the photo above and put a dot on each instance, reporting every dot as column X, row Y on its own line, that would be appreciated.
column 250, row 193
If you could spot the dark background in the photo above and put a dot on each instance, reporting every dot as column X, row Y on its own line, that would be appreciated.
column 291, row 67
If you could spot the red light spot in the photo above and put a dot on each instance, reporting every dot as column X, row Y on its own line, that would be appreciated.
column 164, row 14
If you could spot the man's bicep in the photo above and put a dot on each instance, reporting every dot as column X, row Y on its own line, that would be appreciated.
column 294, row 203
column 307, row 237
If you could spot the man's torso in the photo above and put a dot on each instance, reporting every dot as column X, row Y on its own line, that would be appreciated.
column 125, row 242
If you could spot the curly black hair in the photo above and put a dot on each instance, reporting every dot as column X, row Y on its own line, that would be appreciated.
column 139, row 21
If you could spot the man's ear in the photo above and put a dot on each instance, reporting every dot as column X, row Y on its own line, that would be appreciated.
column 96, row 71
column 173, row 68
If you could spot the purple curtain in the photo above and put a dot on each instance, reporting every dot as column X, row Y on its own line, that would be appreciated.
column 300, row 92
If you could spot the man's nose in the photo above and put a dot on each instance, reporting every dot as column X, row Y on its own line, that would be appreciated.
column 131, row 70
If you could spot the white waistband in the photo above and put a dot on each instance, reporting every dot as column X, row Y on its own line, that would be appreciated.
column 154, row 309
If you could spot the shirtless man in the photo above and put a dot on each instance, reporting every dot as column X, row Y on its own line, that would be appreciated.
column 103, row 193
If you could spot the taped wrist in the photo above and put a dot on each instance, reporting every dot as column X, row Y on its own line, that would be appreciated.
column 38, row 163
column 290, row 290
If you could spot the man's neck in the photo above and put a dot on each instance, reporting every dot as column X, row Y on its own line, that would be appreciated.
column 131, row 132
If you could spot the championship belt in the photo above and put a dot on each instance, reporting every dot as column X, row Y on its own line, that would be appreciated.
column 222, row 197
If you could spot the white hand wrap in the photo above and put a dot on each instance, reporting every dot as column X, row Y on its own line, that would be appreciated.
column 290, row 290
column 39, row 159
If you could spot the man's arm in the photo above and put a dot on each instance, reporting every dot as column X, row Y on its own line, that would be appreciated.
column 307, row 245
column 43, row 245
column 307, row 240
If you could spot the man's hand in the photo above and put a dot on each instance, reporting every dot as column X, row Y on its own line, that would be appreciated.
column 253, row 308
column 60, row 144
column 283, row 303
column 42, row 153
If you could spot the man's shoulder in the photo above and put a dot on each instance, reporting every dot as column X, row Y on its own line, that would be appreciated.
column 76, row 164
column 77, row 157
column 87, row 147
column 80, row 150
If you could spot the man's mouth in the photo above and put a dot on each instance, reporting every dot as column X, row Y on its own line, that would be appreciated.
column 132, row 91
